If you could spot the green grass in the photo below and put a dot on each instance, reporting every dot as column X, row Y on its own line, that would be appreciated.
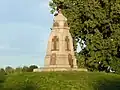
column 62, row 81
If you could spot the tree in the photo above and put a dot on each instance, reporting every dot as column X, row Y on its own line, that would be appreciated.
column 9, row 70
column 18, row 70
column 25, row 69
column 30, row 69
column 2, row 71
column 95, row 24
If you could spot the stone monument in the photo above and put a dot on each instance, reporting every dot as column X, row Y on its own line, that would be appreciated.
column 60, row 53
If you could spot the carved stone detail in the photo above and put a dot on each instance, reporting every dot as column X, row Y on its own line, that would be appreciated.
column 67, row 43
column 55, row 43
column 65, row 24
column 70, row 60
column 53, row 59
column 56, row 24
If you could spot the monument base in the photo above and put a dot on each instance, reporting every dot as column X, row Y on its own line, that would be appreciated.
column 48, row 69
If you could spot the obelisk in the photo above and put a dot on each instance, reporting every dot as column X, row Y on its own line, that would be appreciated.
column 60, row 52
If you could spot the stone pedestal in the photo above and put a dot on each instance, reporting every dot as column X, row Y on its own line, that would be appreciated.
column 47, row 69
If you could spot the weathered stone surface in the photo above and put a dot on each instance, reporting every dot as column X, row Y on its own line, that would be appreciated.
column 60, row 44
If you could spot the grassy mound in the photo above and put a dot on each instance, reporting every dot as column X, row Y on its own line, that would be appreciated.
column 62, row 81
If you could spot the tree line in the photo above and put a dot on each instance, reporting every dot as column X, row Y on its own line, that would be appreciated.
column 10, row 70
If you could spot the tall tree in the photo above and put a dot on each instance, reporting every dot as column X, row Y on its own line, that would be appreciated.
column 25, row 69
column 95, row 24
column 9, row 70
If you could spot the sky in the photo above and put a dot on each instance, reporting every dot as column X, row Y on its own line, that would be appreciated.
column 24, row 31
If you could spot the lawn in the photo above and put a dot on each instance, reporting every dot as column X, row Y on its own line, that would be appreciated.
column 62, row 81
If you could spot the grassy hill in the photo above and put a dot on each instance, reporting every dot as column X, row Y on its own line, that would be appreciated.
column 62, row 81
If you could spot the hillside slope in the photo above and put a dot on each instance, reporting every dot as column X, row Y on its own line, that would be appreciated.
column 62, row 81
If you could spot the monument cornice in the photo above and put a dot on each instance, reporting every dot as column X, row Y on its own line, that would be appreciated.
column 61, row 28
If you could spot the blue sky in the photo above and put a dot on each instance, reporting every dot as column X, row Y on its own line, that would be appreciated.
column 24, row 31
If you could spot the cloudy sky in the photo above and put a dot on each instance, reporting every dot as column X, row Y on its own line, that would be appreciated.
column 24, row 31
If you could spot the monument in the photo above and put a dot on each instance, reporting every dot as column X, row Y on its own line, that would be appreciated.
column 60, row 53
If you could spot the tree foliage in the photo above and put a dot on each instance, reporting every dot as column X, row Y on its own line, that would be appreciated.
column 9, row 70
column 31, row 68
column 25, row 69
column 18, row 69
column 95, row 24
column 2, row 71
